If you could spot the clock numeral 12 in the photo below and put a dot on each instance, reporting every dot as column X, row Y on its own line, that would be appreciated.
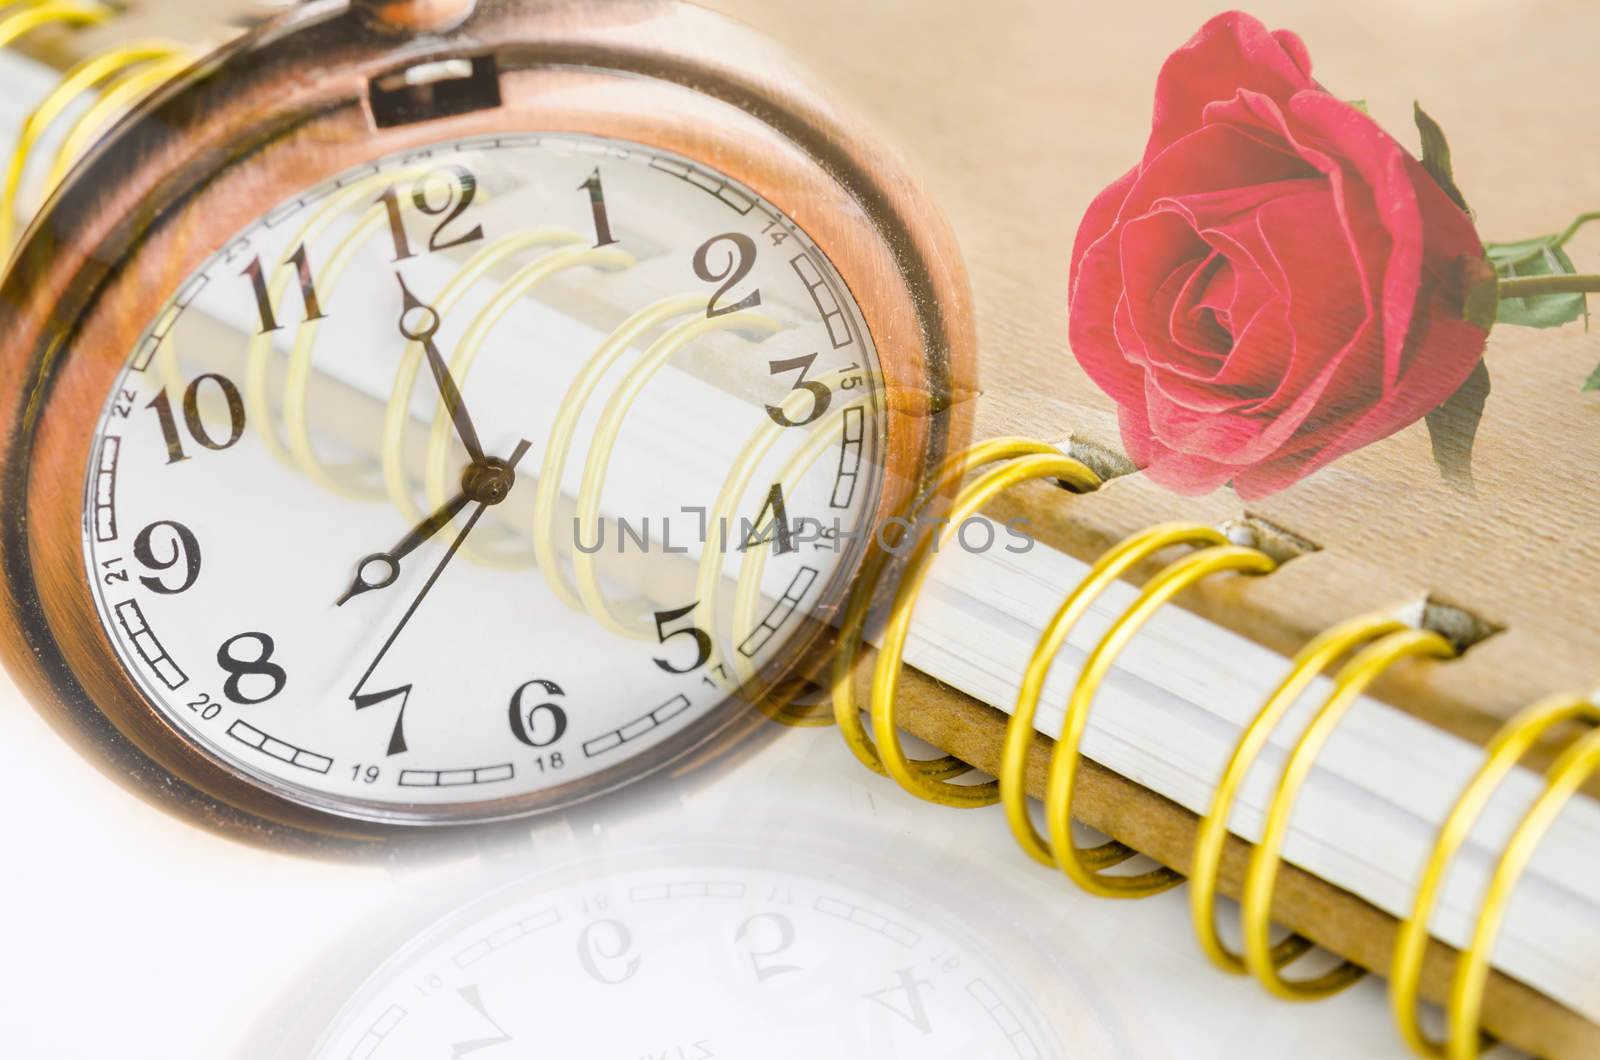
column 461, row 188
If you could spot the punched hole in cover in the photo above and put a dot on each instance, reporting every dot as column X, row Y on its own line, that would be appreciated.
column 1103, row 460
column 1279, row 542
column 1462, row 628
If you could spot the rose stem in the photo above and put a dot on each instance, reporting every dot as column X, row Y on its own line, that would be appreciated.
column 1534, row 286
column 1559, row 241
column 1577, row 223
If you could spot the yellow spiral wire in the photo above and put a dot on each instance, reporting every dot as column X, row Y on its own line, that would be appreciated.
column 298, row 451
column 1084, row 866
column 613, row 414
column 558, row 444
column 891, row 648
column 792, row 712
column 299, row 368
column 397, row 414
column 1566, row 775
column 1261, row 876
column 82, row 78
column 825, row 436
column 436, row 488
column 111, row 105
column 847, row 714
column 1375, row 643
column 1020, row 728
column 1306, row 666
column 1031, row 459
column 18, row 19
column 561, row 251
column 1510, row 744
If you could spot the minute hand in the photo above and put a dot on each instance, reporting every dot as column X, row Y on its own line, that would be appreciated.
column 422, row 330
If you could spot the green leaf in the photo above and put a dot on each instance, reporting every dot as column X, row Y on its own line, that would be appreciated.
column 1453, row 427
column 1537, row 257
column 1593, row 382
column 1436, row 156
column 1359, row 104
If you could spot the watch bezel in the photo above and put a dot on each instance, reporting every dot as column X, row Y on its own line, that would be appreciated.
column 285, row 108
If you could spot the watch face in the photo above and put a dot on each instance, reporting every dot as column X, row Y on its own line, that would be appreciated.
column 479, row 478
column 730, row 956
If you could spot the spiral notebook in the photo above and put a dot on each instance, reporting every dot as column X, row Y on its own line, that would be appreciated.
column 1449, row 500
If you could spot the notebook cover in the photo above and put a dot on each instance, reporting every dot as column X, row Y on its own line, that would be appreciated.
column 1022, row 119
column 1425, row 455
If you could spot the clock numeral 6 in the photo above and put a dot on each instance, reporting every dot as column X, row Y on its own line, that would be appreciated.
column 741, row 259
column 603, row 949
column 537, row 724
column 257, row 669
column 193, row 420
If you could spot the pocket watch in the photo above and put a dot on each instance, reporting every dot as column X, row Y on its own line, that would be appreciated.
column 729, row 947
column 426, row 413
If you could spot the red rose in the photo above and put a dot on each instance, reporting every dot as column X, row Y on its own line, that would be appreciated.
column 1276, row 283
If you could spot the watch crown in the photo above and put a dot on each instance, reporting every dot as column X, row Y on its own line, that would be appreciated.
column 414, row 16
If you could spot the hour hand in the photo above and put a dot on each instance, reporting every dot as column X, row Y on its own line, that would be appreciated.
column 382, row 569
column 419, row 322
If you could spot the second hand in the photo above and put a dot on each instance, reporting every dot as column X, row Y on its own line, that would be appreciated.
column 362, row 699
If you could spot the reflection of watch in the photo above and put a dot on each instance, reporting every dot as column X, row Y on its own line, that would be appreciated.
column 397, row 308
column 768, row 947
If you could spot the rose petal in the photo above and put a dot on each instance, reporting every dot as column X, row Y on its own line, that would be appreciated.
column 1179, row 472
column 1380, row 165
column 1233, row 51
column 1097, row 221
column 1210, row 159
column 1326, row 280
column 1446, row 352
column 1096, row 300
column 1159, row 254
column 1217, row 158
column 1201, row 419
column 1200, row 321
